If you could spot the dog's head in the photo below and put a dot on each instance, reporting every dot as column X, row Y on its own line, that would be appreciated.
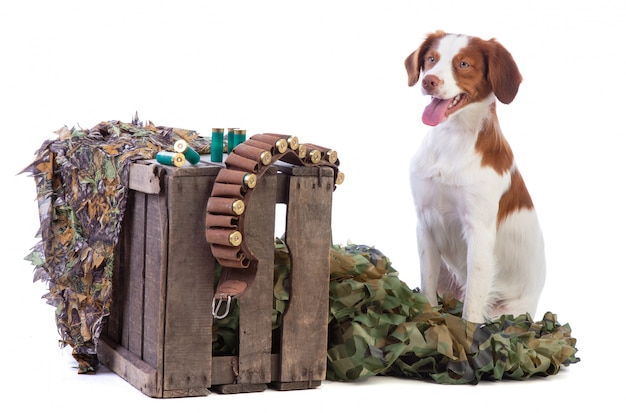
column 457, row 70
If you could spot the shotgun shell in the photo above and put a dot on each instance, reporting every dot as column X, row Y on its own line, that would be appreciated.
column 302, row 151
column 217, row 144
column 315, row 156
column 225, row 206
column 170, row 158
column 293, row 142
column 180, row 146
column 235, row 238
column 239, row 207
column 340, row 178
column 249, row 180
column 240, row 136
column 281, row 145
column 231, row 140
column 183, row 147
column 223, row 236
column 266, row 157
column 332, row 156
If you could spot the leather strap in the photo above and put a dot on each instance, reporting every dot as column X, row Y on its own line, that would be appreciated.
column 233, row 190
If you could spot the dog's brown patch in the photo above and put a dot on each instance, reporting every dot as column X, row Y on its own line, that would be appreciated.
column 470, row 71
column 414, row 63
column 516, row 198
column 494, row 149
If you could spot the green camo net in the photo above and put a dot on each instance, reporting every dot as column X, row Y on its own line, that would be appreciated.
column 379, row 326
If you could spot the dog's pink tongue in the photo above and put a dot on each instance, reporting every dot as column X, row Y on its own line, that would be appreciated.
column 435, row 112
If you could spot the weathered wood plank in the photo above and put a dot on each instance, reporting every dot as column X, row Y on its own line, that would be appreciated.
column 190, row 276
column 240, row 388
column 226, row 369
column 130, row 367
column 115, row 322
column 155, row 273
column 297, row 385
column 255, row 315
column 145, row 177
column 132, row 334
column 194, row 392
column 308, row 237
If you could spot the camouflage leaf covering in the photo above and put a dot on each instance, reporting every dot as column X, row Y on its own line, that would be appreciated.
column 377, row 324
column 82, row 183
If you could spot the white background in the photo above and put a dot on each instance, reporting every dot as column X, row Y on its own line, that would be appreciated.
column 331, row 72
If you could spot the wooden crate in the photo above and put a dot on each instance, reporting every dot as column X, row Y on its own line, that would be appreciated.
column 159, row 334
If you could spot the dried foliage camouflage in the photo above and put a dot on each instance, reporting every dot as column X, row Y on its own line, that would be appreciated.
column 82, row 184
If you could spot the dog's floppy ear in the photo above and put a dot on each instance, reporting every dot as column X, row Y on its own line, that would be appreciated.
column 413, row 67
column 415, row 61
column 502, row 72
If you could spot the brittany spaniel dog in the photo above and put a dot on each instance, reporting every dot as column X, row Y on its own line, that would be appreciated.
column 478, row 234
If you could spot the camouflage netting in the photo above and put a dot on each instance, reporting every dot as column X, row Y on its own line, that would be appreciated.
column 82, row 183
column 377, row 324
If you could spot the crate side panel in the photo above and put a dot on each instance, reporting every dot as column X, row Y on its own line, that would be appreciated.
column 115, row 321
column 155, row 256
column 131, row 368
column 305, row 322
column 132, row 330
column 191, row 270
column 255, row 316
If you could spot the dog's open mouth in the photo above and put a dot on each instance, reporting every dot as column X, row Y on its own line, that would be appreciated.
column 439, row 109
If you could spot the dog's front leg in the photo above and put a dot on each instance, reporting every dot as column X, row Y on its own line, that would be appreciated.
column 481, row 267
column 430, row 264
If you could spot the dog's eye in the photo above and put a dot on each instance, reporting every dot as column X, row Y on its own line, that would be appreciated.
column 464, row 64
column 431, row 59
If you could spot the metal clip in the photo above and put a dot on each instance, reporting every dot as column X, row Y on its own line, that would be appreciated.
column 215, row 308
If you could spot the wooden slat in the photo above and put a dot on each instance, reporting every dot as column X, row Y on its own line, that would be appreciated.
column 145, row 177
column 225, row 371
column 130, row 367
column 308, row 237
column 155, row 258
column 255, row 316
column 121, row 264
column 132, row 333
column 190, row 275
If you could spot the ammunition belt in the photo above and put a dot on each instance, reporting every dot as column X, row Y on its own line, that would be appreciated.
column 232, row 190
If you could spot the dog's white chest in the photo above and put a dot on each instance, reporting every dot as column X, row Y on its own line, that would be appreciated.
column 453, row 191
column 443, row 162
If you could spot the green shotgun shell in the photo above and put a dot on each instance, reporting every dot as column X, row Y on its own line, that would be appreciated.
column 170, row 158
column 183, row 147
column 217, row 144
column 231, row 140
column 239, row 137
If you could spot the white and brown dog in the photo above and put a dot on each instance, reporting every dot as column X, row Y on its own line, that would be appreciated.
column 478, row 234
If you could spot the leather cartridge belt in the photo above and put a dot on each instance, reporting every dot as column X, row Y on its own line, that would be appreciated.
column 232, row 190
